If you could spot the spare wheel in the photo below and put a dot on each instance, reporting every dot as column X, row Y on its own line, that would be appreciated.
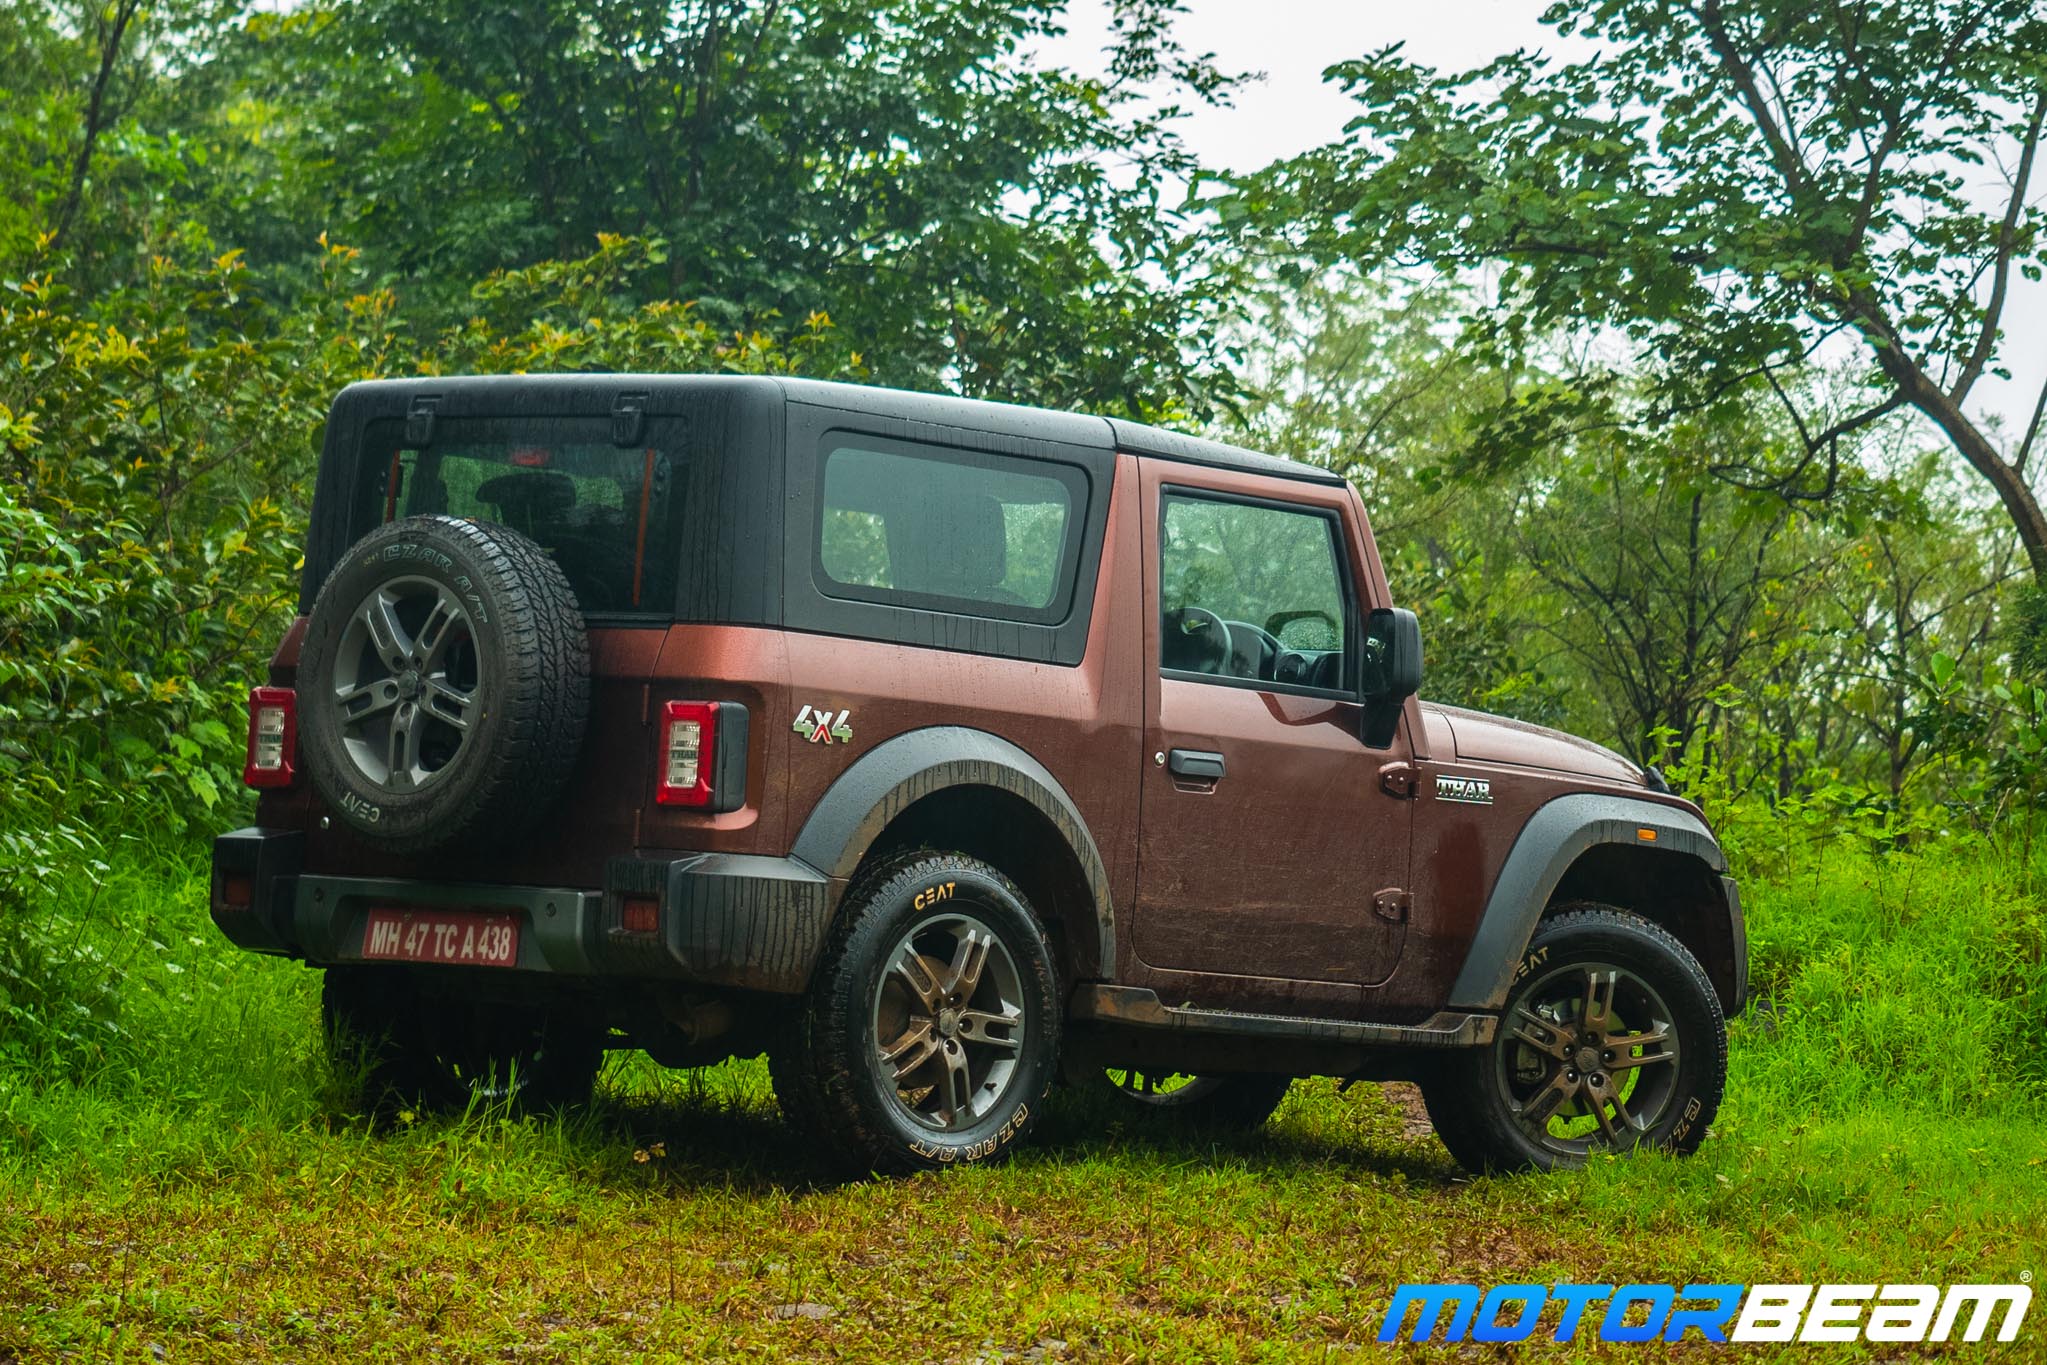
column 443, row 684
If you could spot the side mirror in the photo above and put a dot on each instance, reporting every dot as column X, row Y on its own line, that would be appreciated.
column 1389, row 671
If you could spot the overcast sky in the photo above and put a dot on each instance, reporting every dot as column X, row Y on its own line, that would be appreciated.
column 1292, row 41
column 1292, row 109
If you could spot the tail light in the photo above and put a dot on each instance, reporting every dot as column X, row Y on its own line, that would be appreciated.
column 689, row 753
column 273, row 738
column 701, row 764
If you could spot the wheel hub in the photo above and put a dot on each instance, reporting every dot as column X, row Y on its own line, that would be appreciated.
column 407, row 682
column 949, row 1021
column 1591, row 1058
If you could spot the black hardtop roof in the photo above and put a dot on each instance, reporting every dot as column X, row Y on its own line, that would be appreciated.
column 595, row 391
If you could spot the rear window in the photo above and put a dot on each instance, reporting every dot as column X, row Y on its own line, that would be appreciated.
column 610, row 516
column 959, row 531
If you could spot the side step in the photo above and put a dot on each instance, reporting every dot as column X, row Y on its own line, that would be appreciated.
column 1138, row 1007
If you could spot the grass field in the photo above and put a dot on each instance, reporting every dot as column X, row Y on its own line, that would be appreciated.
column 197, row 1197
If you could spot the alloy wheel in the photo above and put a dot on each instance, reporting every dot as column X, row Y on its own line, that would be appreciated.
column 949, row 1021
column 1162, row 1089
column 406, row 681
column 1589, row 1059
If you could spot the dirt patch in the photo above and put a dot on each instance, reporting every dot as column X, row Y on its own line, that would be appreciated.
column 1414, row 1115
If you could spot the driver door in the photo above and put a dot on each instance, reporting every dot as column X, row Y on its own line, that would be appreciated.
column 1264, row 833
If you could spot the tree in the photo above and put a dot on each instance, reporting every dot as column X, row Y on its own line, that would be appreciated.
column 1668, row 586
column 982, row 223
column 1728, row 188
column 1914, row 587
column 1363, row 377
column 74, row 74
column 1615, row 587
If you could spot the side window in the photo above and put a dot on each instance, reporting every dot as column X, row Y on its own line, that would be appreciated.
column 979, row 535
column 1252, row 592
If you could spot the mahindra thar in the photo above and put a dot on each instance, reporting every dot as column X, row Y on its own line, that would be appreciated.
column 940, row 750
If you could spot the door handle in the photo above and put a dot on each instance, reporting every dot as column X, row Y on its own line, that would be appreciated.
column 1202, row 764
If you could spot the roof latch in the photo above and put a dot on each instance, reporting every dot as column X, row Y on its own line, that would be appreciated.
column 1392, row 904
column 628, row 418
column 419, row 420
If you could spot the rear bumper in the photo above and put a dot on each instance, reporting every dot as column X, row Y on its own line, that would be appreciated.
column 255, row 875
column 731, row 920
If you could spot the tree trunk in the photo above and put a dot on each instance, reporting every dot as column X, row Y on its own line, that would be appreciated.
column 112, row 32
column 2021, row 504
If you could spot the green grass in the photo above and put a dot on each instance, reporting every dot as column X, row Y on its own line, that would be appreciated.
column 194, row 1195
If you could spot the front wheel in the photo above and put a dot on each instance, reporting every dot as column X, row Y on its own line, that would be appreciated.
column 930, row 1035
column 1612, row 1040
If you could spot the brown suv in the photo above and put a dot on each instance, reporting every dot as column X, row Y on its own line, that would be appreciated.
column 933, row 748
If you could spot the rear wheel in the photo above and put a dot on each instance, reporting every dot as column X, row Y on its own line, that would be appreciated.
column 442, row 1053
column 1612, row 1040
column 928, row 1038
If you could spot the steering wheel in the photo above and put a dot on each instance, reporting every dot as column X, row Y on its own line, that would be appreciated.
column 1196, row 641
column 1266, row 665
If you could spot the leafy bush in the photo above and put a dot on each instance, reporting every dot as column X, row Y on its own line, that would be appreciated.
column 156, row 453
column 153, row 475
column 1913, row 980
column 145, row 557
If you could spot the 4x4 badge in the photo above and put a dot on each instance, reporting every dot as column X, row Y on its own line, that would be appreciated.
column 820, row 726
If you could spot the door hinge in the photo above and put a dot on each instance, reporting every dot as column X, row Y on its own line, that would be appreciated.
column 1397, row 779
column 419, row 421
column 628, row 418
column 1392, row 904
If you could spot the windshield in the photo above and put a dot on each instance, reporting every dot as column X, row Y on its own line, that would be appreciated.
column 609, row 515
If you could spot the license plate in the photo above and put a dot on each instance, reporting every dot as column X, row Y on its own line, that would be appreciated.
column 463, row 938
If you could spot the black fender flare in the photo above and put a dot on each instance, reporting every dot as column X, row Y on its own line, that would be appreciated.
column 1549, row 843
column 896, row 774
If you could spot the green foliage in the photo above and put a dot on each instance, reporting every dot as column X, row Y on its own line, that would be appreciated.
column 1996, row 736
column 1720, row 187
column 899, row 165
column 145, row 467
column 157, row 447
column 581, row 314
column 58, row 995
column 52, row 993
column 146, row 560
column 2026, row 632
column 1620, row 586
column 1671, row 582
